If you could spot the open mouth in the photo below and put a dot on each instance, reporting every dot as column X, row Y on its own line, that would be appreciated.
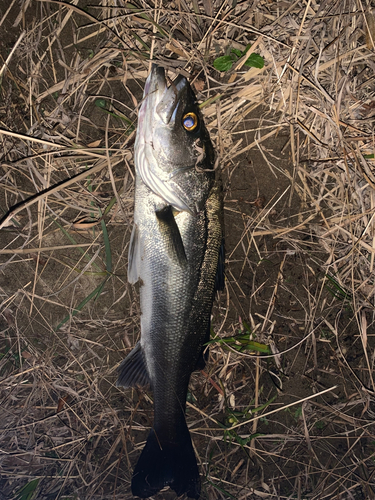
column 164, row 99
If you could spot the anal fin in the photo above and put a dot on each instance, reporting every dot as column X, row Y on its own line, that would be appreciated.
column 133, row 371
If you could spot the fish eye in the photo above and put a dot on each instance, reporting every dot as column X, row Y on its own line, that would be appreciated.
column 190, row 121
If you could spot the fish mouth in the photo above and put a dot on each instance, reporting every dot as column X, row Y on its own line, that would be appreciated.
column 167, row 98
column 156, row 81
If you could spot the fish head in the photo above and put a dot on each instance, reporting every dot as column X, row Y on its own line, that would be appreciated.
column 172, row 143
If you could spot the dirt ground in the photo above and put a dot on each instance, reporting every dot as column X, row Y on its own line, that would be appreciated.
column 68, row 316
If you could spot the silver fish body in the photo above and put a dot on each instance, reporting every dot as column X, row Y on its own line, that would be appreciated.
column 174, row 254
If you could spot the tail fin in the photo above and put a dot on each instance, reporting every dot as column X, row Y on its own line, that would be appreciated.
column 165, row 464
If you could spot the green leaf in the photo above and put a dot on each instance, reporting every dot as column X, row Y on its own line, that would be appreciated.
column 110, row 205
column 210, row 101
column 28, row 491
column 336, row 290
column 148, row 18
column 256, row 346
column 255, row 61
column 101, row 103
column 108, row 253
column 237, row 52
column 298, row 412
column 73, row 241
column 221, row 489
column 93, row 295
column 223, row 63
column 242, row 343
column 262, row 407
column 246, row 326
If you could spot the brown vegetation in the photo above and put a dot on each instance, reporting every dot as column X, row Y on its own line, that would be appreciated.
column 285, row 407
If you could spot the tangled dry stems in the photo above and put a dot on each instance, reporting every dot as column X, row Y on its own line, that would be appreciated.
column 299, row 260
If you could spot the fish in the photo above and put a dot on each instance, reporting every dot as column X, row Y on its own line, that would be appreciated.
column 176, row 256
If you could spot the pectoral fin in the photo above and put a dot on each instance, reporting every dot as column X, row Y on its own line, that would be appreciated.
column 133, row 371
column 171, row 233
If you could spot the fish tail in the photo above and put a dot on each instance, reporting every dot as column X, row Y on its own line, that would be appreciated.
column 167, row 464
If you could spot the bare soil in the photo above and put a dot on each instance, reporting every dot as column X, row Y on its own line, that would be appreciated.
column 294, row 424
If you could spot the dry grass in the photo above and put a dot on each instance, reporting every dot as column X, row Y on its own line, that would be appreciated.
column 296, row 147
